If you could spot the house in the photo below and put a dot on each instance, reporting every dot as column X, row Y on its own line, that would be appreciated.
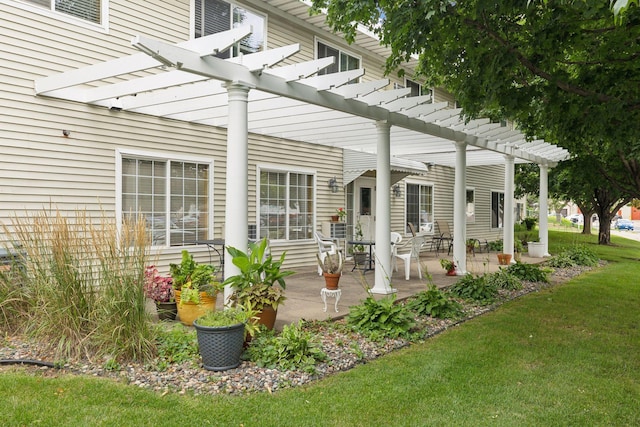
column 239, row 120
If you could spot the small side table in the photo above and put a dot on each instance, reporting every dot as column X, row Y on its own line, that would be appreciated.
column 324, row 293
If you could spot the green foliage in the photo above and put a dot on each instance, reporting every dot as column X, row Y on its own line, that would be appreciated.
column 530, row 222
column 191, row 278
column 529, row 272
column 435, row 303
column 447, row 264
column 261, row 281
column 175, row 345
column 475, row 288
column 495, row 245
column 572, row 256
column 502, row 279
column 227, row 317
column 332, row 264
column 294, row 348
column 381, row 318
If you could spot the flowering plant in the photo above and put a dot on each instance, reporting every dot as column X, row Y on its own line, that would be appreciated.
column 341, row 213
column 157, row 287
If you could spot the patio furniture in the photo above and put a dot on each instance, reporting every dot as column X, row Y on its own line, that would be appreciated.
column 368, row 265
column 408, row 250
column 445, row 238
column 396, row 238
column 333, row 293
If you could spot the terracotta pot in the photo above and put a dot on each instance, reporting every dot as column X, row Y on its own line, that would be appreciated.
column 331, row 280
column 189, row 311
column 335, row 218
column 267, row 317
column 451, row 272
column 504, row 259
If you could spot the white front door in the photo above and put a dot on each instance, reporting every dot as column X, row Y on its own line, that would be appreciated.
column 365, row 206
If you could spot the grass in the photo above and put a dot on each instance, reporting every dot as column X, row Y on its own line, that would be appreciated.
column 564, row 356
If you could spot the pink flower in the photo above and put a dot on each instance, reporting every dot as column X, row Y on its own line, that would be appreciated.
column 157, row 287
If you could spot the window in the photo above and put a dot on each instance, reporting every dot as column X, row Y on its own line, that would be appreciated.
column 419, row 206
column 88, row 10
column 471, row 206
column 497, row 209
column 215, row 16
column 286, row 205
column 343, row 61
column 173, row 197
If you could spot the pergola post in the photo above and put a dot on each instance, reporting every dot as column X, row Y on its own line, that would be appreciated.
column 237, row 184
column 543, row 206
column 383, row 211
column 508, row 221
column 459, row 208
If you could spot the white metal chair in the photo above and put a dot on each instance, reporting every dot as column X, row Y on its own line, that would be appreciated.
column 396, row 238
column 325, row 245
column 410, row 249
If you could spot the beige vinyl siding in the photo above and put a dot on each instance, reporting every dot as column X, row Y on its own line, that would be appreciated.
column 484, row 179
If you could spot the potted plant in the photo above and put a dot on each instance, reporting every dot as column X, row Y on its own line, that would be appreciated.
column 342, row 214
column 331, row 269
column 530, row 222
column 449, row 266
column 221, row 336
column 504, row 259
column 359, row 255
column 160, row 289
column 472, row 244
column 535, row 249
column 195, row 288
column 260, row 283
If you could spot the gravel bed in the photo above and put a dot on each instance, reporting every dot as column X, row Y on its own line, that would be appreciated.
column 344, row 349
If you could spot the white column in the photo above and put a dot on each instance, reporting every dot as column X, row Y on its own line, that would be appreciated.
column 543, row 206
column 236, row 232
column 460, row 209
column 383, row 211
column 508, row 222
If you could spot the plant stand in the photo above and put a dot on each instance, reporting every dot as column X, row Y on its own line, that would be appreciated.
column 333, row 293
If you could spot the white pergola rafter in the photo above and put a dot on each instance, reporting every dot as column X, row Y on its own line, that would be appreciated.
column 183, row 80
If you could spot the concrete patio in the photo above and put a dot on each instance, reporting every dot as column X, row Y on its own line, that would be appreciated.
column 303, row 288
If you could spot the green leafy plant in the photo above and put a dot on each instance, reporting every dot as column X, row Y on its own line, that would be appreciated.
column 359, row 236
column 529, row 272
column 572, row 256
column 293, row 348
column 261, row 281
column 228, row 317
column 175, row 345
column 496, row 245
column 530, row 222
column 475, row 288
column 447, row 264
column 502, row 279
column 435, row 303
column 191, row 278
column 381, row 318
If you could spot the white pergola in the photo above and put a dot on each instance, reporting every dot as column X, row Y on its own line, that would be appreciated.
column 256, row 93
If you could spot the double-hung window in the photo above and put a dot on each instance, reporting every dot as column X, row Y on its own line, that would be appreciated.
column 471, row 206
column 88, row 10
column 343, row 60
column 171, row 195
column 215, row 16
column 419, row 206
column 286, row 205
column 497, row 209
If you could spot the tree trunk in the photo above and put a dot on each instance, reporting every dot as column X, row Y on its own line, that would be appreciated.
column 587, row 222
column 604, row 234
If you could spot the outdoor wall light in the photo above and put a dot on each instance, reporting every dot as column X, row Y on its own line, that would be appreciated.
column 397, row 192
column 333, row 185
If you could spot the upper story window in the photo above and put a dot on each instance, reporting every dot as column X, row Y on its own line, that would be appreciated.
column 343, row 60
column 215, row 16
column 171, row 194
column 93, row 11
column 419, row 207
column 286, row 205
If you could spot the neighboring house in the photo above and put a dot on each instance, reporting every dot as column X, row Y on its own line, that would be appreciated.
column 85, row 124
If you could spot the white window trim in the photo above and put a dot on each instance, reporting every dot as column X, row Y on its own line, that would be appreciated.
column 317, row 39
column 491, row 209
column 51, row 13
column 284, row 169
column 139, row 154
column 474, row 204
column 433, row 204
column 192, row 19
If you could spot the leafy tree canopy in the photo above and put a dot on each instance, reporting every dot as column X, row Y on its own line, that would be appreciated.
column 566, row 71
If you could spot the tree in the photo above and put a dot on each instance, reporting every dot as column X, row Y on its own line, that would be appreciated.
column 564, row 71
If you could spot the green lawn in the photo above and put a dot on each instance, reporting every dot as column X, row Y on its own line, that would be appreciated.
column 567, row 356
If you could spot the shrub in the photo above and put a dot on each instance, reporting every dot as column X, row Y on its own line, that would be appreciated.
column 175, row 345
column 294, row 348
column 495, row 245
column 381, row 318
column 502, row 279
column 435, row 303
column 475, row 289
column 574, row 255
column 529, row 272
